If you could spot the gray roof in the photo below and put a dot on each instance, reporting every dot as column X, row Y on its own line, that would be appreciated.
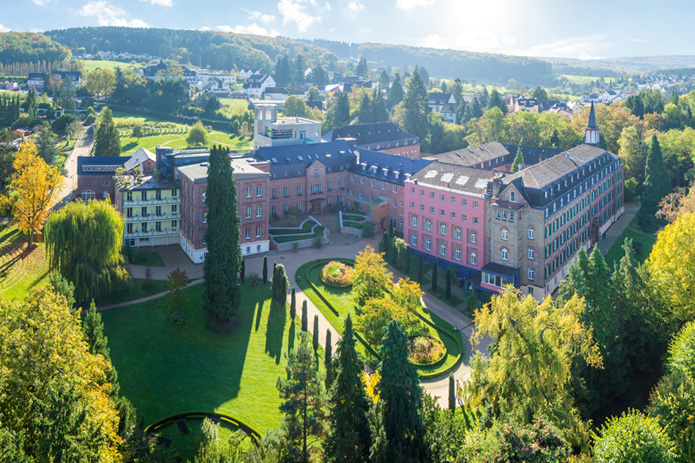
column 386, row 166
column 460, row 179
column 100, row 165
column 473, row 154
column 243, row 169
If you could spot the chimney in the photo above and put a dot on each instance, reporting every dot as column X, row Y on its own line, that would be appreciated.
column 496, row 184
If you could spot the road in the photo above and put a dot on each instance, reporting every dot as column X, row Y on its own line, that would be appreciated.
column 83, row 147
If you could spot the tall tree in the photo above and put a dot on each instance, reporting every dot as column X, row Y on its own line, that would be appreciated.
column 633, row 437
column 362, row 68
column 46, row 144
column 315, row 335
column 396, row 91
column 221, row 266
column 371, row 278
column 338, row 114
column 265, row 270
column 280, row 283
column 518, row 162
column 319, row 77
column 283, row 71
column 305, row 316
column 348, row 439
column 400, row 400
column 328, row 359
column 101, row 82
column 293, row 305
column 37, row 186
column 107, row 141
column 416, row 107
column 304, row 407
column 84, row 242
column 656, row 182
column 197, row 135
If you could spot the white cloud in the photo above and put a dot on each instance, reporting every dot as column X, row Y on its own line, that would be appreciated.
column 4, row 29
column 408, row 4
column 41, row 2
column 160, row 2
column 109, row 15
column 586, row 47
column 260, row 16
column 295, row 11
column 355, row 6
column 471, row 40
column 254, row 29
column 328, row 6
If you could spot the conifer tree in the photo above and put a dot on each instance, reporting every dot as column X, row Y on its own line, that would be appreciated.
column 447, row 285
column 434, row 278
column 400, row 402
column 420, row 269
column 416, row 107
column 305, row 316
column 265, row 270
column 242, row 271
column 221, row 266
column 518, row 162
column 304, row 405
column 407, row 261
column 93, row 329
column 656, row 182
column 396, row 92
column 107, row 140
column 280, row 284
column 293, row 305
column 348, row 438
column 315, row 334
column 452, row 393
column 328, row 359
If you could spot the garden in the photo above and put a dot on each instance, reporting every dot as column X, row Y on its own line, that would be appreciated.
column 436, row 349
column 21, row 268
column 167, row 368
column 308, row 229
column 642, row 244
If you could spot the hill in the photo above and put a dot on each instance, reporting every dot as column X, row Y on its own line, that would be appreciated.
column 630, row 65
column 29, row 47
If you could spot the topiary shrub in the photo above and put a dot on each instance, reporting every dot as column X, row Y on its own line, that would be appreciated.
column 337, row 274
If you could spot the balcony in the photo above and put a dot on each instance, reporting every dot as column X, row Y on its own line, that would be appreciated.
column 153, row 218
column 151, row 234
column 152, row 202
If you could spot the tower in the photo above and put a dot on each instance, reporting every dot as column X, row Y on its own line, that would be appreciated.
column 592, row 136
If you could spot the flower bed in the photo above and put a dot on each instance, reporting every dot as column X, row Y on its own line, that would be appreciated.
column 426, row 350
column 337, row 274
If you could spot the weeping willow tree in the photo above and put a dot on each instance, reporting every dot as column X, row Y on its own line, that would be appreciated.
column 84, row 242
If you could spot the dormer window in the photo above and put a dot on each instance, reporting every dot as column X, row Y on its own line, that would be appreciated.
column 512, row 196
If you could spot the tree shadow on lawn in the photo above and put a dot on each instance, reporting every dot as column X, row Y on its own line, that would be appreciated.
column 259, row 312
column 129, row 146
column 275, row 329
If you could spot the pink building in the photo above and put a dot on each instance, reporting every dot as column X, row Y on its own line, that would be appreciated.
column 445, row 209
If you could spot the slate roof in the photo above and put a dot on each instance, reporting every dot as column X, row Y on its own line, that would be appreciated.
column 439, row 98
column 592, row 118
column 532, row 154
column 242, row 169
column 456, row 178
column 293, row 160
column 100, row 165
column 138, row 158
column 382, row 161
column 36, row 76
column 373, row 133
column 473, row 154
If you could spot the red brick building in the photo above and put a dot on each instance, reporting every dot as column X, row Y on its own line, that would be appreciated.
column 386, row 137
column 95, row 176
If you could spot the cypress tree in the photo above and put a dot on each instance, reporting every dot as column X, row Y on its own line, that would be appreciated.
column 656, row 182
column 348, row 438
column 385, row 243
column 416, row 107
column 452, row 393
column 265, row 270
column 315, row 334
column 407, row 261
column 447, row 285
column 305, row 315
column 242, row 272
column 280, row 284
column 420, row 269
column 221, row 266
column 328, row 359
column 107, row 141
column 293, row 305
column 434, row 278
column 93, row 329
column 518, row 162
column 400, row 401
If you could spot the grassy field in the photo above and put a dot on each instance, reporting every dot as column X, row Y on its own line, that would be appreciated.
column 585, row 79
column 165, row 368
column 233, row 107
column 21, row 269
column 148, row 259
column 136, row 292
column 616, row 252
column 89, row 65
column 342, row 301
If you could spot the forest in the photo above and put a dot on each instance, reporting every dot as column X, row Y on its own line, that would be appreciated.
column 29, row 47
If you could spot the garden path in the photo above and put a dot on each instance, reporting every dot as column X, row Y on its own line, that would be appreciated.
column 292, row 260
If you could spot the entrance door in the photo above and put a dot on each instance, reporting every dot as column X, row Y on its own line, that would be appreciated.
column 316, row 207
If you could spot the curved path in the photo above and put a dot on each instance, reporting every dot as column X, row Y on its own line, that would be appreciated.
column 292, row 260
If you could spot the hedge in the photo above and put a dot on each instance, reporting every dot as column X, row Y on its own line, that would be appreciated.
column 255, row 435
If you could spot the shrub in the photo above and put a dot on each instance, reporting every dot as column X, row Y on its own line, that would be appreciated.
column 337, row 274
column 425, row 349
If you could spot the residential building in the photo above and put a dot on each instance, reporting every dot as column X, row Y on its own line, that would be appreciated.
column 523, row 103
column 36, row 80
column 74, row 76
column 271, row 130
column 95, row 176
column 386, row 137
column 444, row 104
column 255, row 85
column 252, row 187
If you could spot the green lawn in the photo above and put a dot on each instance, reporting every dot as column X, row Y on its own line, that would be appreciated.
column 305, row 228
column 20, row 269
column 136, row 292
column 354, row 217
column 148, row 259
column 233, row 107
column 89, row 65
column 318, row 233
column 585, row 79
column 165, row 369
column 341, row 300
column 616, row 252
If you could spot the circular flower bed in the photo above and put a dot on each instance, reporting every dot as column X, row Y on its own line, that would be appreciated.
column 337, row 274
column 425, row 350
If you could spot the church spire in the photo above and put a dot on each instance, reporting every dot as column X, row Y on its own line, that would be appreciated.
column 592, row 135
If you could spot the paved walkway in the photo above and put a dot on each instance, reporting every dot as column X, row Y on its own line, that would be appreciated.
column 617, row 229
column 292, row 260
column 83, row 147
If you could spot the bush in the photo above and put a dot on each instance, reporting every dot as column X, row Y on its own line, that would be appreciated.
column 337, row 274
column 633, row 437
column 426, row 349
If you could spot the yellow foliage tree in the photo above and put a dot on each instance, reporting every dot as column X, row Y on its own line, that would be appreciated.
column 371, row 278
column 53, row 392
column 672, row 268
column 101, row 82
column 37, row 186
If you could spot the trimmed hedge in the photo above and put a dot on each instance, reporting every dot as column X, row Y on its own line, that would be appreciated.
column 251, row 432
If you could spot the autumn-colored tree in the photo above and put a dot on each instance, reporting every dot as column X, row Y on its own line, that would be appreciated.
column 371, row 278
column 376, row 315
column 176, row 298
column 530, row 366
column 672, row 268
column 101, row 82
column 53, row 392
column 37, row 186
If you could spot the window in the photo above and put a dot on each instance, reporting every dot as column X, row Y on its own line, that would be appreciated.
column 422, row 207
column 531, row 254
column 89, row 195
column 340, row 184
column 453, row 200
column 259, row 190
column 474, row 237
column 511, row 216
column 143, row 195
column 431, row 194
column 362, row 180
column 258, row 232
column 412, row 204
column 428, row 225
column 442, row 249
column 275, row 193
column 442, row 229
column 248, row 212
column 144, row 227
column 328, row 186
column 428, row 245
column 463, row 217
column 248, row 191
column 441, row 197
column 174, row 193
column 505, row 254
column 441, row 212
column 530, row 274
column 512, row 196
column 258, row 211
column 352, row 177
column 128, row 196
column 475, row 204
column 129, row 212
column 473, row 259
column 505, row 234
column 203, row 196
column 413, row 240
column 299, row 206
column 457, row 233
column 284, row 192
column 174, row 209
column 395, row 189
column 158, row 195
column 453, row 216
column 530, row 233
column 475, row 220
column 129, row 228
column 248, row 233
column 372, row 183
column 316, row 174
column 413, row 221
column 158, row 226
column 158, row 210
column 464, row 202
column 299, row 190
column 285, row 208
column 422, row 192
column 383, row 186
column 143, row 211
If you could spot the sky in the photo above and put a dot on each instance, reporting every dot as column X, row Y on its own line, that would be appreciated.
column 546, row 28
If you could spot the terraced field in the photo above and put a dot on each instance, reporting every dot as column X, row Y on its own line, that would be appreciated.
column 21, row 269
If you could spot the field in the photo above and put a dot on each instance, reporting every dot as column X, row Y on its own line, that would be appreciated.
column 233, row 107
column 20, row 269
column 89, row 65
column 166, row 368
column 585, row 79
column 642, row 242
